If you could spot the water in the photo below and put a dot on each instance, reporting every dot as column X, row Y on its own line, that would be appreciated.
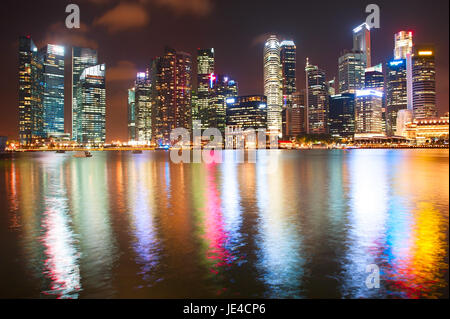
column 297, row 224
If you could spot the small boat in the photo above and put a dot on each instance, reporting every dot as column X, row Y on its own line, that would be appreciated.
column 83, row 154
column 137, row 152
column 61, row 151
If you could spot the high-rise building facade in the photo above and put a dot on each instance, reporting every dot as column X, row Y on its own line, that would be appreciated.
column 361, row 42
column 82, row 58
column 352, row 65
column 171, row 94
column 341, row 117
column 247, row 112
column 288, row 53
column 143, row 108
column 90, row 117
column 368, row 108
column 53, row 92
column 31, row 85
column 396, row 98
column 316, row 100
column 205, row 78
column 403, row 45
column 131, row 111
column 374, row 79
column 424, row 82
column 296, row 116
column 273, row 84
column 224, row 89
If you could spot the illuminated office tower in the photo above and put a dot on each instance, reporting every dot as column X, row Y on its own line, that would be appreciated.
column 424, row 82
column 296, row 115
column 82, row 58
column 53, row 92
column 224, row 89
column 374, row 79
column 90, row 118
column 131, row 110
column 396, row 92
column 341, row 117
column 247, row 112
column 361, row 42
column 403, row 42
column 205, row 76
column 332, row 86
column 289, row 79
column 352, row 65
column 31, row 120
column 316, row 100
column 273, row 84
column 171, row 94
column 143, row 108
column 368, row 105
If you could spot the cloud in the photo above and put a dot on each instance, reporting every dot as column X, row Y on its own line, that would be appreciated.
column 195, row 7
column 260, row 39
column 57, row 33
column 123, row 71
column 123, row 17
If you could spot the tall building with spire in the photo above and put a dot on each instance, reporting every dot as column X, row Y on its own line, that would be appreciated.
column 273, row 85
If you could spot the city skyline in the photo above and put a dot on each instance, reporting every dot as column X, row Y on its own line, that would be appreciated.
column 118, row 72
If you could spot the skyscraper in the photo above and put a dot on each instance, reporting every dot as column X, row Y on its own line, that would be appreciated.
column 296, row 115
column 424, row 82
column 90, row 116
column 403, row 45
column 247, row 112
column 31, row 85
column 352, row 65
column 273, row 83
column 224, row 89
column 205, row 78
column 131, row 110
column 143, row 108
column 53, row 92
column 374, row 79
column 82, row 58
column 368, row 105
column 171, row 94
column 361, row 42
column 316, row 100
column 341, row 117
column 396, row 93
column 289, row 78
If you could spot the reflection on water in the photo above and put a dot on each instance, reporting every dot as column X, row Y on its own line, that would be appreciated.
column 295, row 224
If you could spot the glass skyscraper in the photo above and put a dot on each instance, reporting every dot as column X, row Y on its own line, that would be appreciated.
column 361, row 42
column 396, row 98
column 90, row 117
column 273, row 83
column 341, row 116
column 31, row 85
column 368, row 108
column 352, row 65
column 205, row 78
column 316, row 99
column 424, row 82
column 82, row 58
column 143, row 108
column 131, row 115
column 247, row 112
column 289, row 79
column 224, row 89
column 53, row 91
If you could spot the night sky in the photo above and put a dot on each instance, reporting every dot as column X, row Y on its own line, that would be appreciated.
column 127, row 34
